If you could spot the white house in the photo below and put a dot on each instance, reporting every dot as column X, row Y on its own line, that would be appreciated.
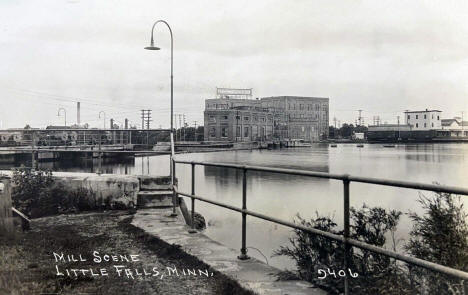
column 455, row 127
column 423, row 120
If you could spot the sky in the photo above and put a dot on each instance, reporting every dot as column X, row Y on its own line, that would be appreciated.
column 382, row 57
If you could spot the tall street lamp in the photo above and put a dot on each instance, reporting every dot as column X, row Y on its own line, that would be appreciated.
column 152, row 47
column 104, row 113
column 65, row 114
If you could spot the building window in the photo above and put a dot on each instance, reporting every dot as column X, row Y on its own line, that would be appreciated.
column 409, row 117
column 432, row 116
column 438, row 118
column 224, row 132
column 212, row 132
column 416, row 123
column 424, row 116
column 432, row 124
column 424, row 125
column 301, row 106
column 416, row 117
column 262, row 119
column 238, row 131
column 246, row 118
column 225, row 117
column 246, row 131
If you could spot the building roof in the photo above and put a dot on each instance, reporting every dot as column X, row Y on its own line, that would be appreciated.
column 295, row 97
column 425, row 111
column 448, row 122
column 390, row 125
column 57, row 127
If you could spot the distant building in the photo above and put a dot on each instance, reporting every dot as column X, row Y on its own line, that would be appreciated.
column 398, row 133
column 282, row 117
column 423, row 120
column 454, row 127
column 359, row 135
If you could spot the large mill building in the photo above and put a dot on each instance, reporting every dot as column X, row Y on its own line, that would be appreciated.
column 235, row 116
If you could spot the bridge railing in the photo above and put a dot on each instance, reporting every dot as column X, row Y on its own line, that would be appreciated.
column 344, row 239
column 101, row 139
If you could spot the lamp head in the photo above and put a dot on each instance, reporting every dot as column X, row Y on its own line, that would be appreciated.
column 152, row 47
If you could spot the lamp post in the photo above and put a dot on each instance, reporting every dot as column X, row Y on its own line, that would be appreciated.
column 104, row 113
column 152, row 47
column 65, row 114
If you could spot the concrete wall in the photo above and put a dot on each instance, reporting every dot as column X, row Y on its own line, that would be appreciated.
column 119, row 191
column 6, row 219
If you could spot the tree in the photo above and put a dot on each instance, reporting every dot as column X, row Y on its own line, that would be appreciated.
column 440, row 236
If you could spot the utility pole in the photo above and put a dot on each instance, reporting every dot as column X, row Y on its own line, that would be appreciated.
column 398, row 120
column 462, row 124
column 359, row 118
column 185, row 125
column 146, row 118
column 180, row 127
column 195, row 122
column 175, row 126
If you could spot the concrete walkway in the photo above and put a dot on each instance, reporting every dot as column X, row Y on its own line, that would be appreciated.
column 251, row 274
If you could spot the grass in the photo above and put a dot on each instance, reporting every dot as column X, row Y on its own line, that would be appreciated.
column 27, row 265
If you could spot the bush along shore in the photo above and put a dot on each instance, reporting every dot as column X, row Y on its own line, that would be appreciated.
column 440, row 235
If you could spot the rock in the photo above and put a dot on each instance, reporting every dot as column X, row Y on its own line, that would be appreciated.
column 199, row 221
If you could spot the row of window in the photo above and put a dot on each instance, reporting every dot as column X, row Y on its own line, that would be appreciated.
column 425, row 125
column 245, row 118
column 310, row 107
column 224, row 131
column 218, row 106
column 425, row 117
column 307, row 116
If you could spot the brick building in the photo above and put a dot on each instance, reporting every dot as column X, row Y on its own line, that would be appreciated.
column 279, row 117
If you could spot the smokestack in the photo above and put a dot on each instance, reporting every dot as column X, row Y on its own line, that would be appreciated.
column 78, row 113
column 111, row 123
column 126, row 123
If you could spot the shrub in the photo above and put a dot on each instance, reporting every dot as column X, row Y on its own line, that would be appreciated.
column 377, row 273
column 440, row 236
column 36, row 194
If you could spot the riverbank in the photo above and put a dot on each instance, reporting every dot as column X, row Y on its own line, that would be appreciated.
column 28, row 264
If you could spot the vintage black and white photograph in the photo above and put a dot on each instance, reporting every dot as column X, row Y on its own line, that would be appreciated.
column 233, row 147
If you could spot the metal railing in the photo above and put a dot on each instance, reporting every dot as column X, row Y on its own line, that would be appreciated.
column 345, row 239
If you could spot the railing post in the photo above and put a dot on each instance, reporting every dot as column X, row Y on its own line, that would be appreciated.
column 192, row 223
column 243, row 255
column 174, row 195
column 346, row 231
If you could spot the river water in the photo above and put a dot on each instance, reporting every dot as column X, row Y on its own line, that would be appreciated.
column 284, row 196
